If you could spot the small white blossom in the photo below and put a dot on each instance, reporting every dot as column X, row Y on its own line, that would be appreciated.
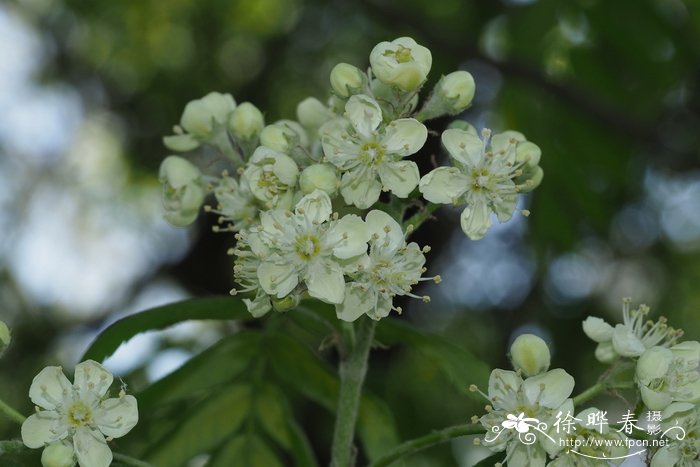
column 482, row 177
column 272, row 177
column 200, row 120
column 236, row 202
column 249, row 252
column 681, row 425
column 669, row 375
column 402, row 63
column 370, row 153
column 183, row 190
column 541, row 398
column 78, row 413
column 530, row 354
column 306, row 246
column 391, row 268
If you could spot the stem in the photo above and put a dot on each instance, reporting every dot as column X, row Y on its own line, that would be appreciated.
column 424, row 214
column 11, row 413
column 597, row 389
column 126, row 460
column 353, row 369
column 437, row 437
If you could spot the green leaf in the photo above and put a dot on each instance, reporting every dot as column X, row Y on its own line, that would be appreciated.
column 491, row 460
column 110, row 339
column 245, row 451
column 301, row 447
column 376, row 427
column 460, row 365
column 13, row 453
column 204, row 427
column 219, row 364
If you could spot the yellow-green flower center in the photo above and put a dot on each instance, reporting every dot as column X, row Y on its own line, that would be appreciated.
column 480, row 179
column 307, row 246
column 372, row 153
column 402, row 54
column 79, row 414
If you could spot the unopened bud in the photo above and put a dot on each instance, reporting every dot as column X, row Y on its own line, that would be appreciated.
column 246, row 121
column 311, row 113
column 319, row 177
column 283, row 136
column 457, row 90
column 58, row 454
column 346, row 79
column 530, row 354
column 200, row 115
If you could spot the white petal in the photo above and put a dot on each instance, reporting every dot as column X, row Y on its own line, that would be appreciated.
column 180, row 143
column 503, row 385
column 286, row 170
column 348, row 237
column 626, row 343
column 362, row 193
column 405, row 136
column 93, row 377
column 400, row 177
column 277, row 279
column 259, row 306
column 476, row 220
column 688, row 352
column 463, row 146
column 597, row 329
column 42, row 428
column 364, row 114
column 91, row 448
column 505, row 207
column 357, row 302
column 385, row 229
column 655, row 400
column 653, row 363
column 115, row 417
column 316, row 206
column 443, row 185
column 325, row 282
column 49, row 387
column 505, row 143
column 666, row 456
column 382, row 307
column 550, row 389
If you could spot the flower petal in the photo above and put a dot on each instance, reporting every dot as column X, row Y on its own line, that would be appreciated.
column 93, row 377
column 277, row 279
column 597, row 329
column 626, row 342
column 348, row 237
column 364, row 113
column 362, row 193
column 476, row 220
column 49, row 387
column 384, row 230
column 400, row 177
column 115, row 417
column 666, row 456
column 260, row 305
column 503, row 385
column 443, row 185
column 653, row 363
column 91, row 448
column 655, row 400
column 315, row 206
column 357, row 302
column 42, row 428
column 550, row 389
column 463, row 146
column 325, row 282
column 405, row 136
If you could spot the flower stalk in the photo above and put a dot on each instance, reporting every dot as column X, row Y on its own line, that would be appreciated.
column 11, row 413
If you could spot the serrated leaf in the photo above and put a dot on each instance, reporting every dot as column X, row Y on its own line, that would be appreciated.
column 219, row 364
column 245, row 451
column 109, row 340
column 204, row 427
column 460, row 365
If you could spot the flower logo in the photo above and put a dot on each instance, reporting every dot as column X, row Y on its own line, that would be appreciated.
column 519, row 423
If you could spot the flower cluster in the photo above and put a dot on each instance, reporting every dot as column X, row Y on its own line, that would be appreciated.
column 318, row 204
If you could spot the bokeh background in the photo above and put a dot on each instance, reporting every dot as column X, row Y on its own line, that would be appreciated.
column 608, row 90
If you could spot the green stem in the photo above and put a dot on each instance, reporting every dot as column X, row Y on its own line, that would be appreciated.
column 437, row 437
column 126, row 460
column 424, row 214
column 11, row 413
column 353, row 369
column 597, row 389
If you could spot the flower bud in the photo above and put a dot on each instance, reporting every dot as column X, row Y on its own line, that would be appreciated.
column 246, row 121
column 58, row 454
column 346, row 79
column 457, row 90
column 183, row 193
column 200, row 115
column 530, row 354
column 283, row 136
column 319, row 177
column 605, row 352
column 287, row 303
column 311, row 113
column 597, row 329
column 5, row 337
column 402, row 63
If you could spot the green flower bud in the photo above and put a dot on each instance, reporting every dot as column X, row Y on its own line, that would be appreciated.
column 58, row 454
column 457, row 90
column 283, row 136
column 319, row 177
column 311, row 113
column 200, row 115
column 346, row 79
column 287, row 303
column 530, row 354
column 246, row 121
column 402, row 63
column 605, row 352
column 5, row 337
column 183, row 193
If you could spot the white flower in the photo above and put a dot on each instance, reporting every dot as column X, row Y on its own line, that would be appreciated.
column 391, row 268
column 530, row 354
column 681, row 425
column 482, row 178
column 183, row 191
column 594, row 442
column 307, row 246
column 370, row 153
column 236, row 202
column 630, row 338
column 402, row 63
column 272, row 176
column 540, row 397
column 79, row 412
column 249, row 252
column 669, row 375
